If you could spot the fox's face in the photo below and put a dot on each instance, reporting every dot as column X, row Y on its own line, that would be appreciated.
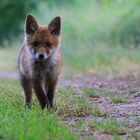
column 42, row 40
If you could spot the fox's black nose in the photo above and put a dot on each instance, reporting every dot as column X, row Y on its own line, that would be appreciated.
column 41, row 56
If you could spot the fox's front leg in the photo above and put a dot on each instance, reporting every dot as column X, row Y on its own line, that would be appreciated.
column 27, row 88
column 43, row 99
column 50, row 89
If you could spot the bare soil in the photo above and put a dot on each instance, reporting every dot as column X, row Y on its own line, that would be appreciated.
column 127, row 112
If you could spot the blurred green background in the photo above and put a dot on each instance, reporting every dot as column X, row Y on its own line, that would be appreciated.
column 98, row 36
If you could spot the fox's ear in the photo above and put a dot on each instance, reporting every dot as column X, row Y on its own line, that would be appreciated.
column 30, row 24
column 55, row 26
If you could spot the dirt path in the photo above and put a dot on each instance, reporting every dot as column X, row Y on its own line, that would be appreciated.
column 8, row 74
column 121, row 101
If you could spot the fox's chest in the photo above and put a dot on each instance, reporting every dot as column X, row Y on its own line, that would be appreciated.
column 42, row 70
column 39, row 70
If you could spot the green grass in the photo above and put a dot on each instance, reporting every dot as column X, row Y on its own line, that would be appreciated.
column 95, row 92
column 79, row 105
column 33, row 124
column 118, row 99
column 20, row 123
column 132, row 91
column 70, row 105
column 116, row 137
column 138, row 119
column 109, row 126
column 67, row 90
column 70, row 108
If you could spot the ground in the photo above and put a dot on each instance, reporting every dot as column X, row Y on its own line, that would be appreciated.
column 114, row 100
column 100, row 108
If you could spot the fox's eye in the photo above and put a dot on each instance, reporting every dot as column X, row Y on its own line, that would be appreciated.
column 35, row 43
column 48, row 44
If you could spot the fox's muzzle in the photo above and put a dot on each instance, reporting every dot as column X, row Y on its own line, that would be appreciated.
column 38, row 54
column 41, row 56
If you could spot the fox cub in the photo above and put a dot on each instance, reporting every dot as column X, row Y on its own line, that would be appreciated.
column 39, row 60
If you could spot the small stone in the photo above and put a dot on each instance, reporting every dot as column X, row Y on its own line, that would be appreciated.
column 136, row 95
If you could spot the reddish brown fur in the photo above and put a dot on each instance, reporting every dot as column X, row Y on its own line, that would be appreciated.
column 40, row 75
